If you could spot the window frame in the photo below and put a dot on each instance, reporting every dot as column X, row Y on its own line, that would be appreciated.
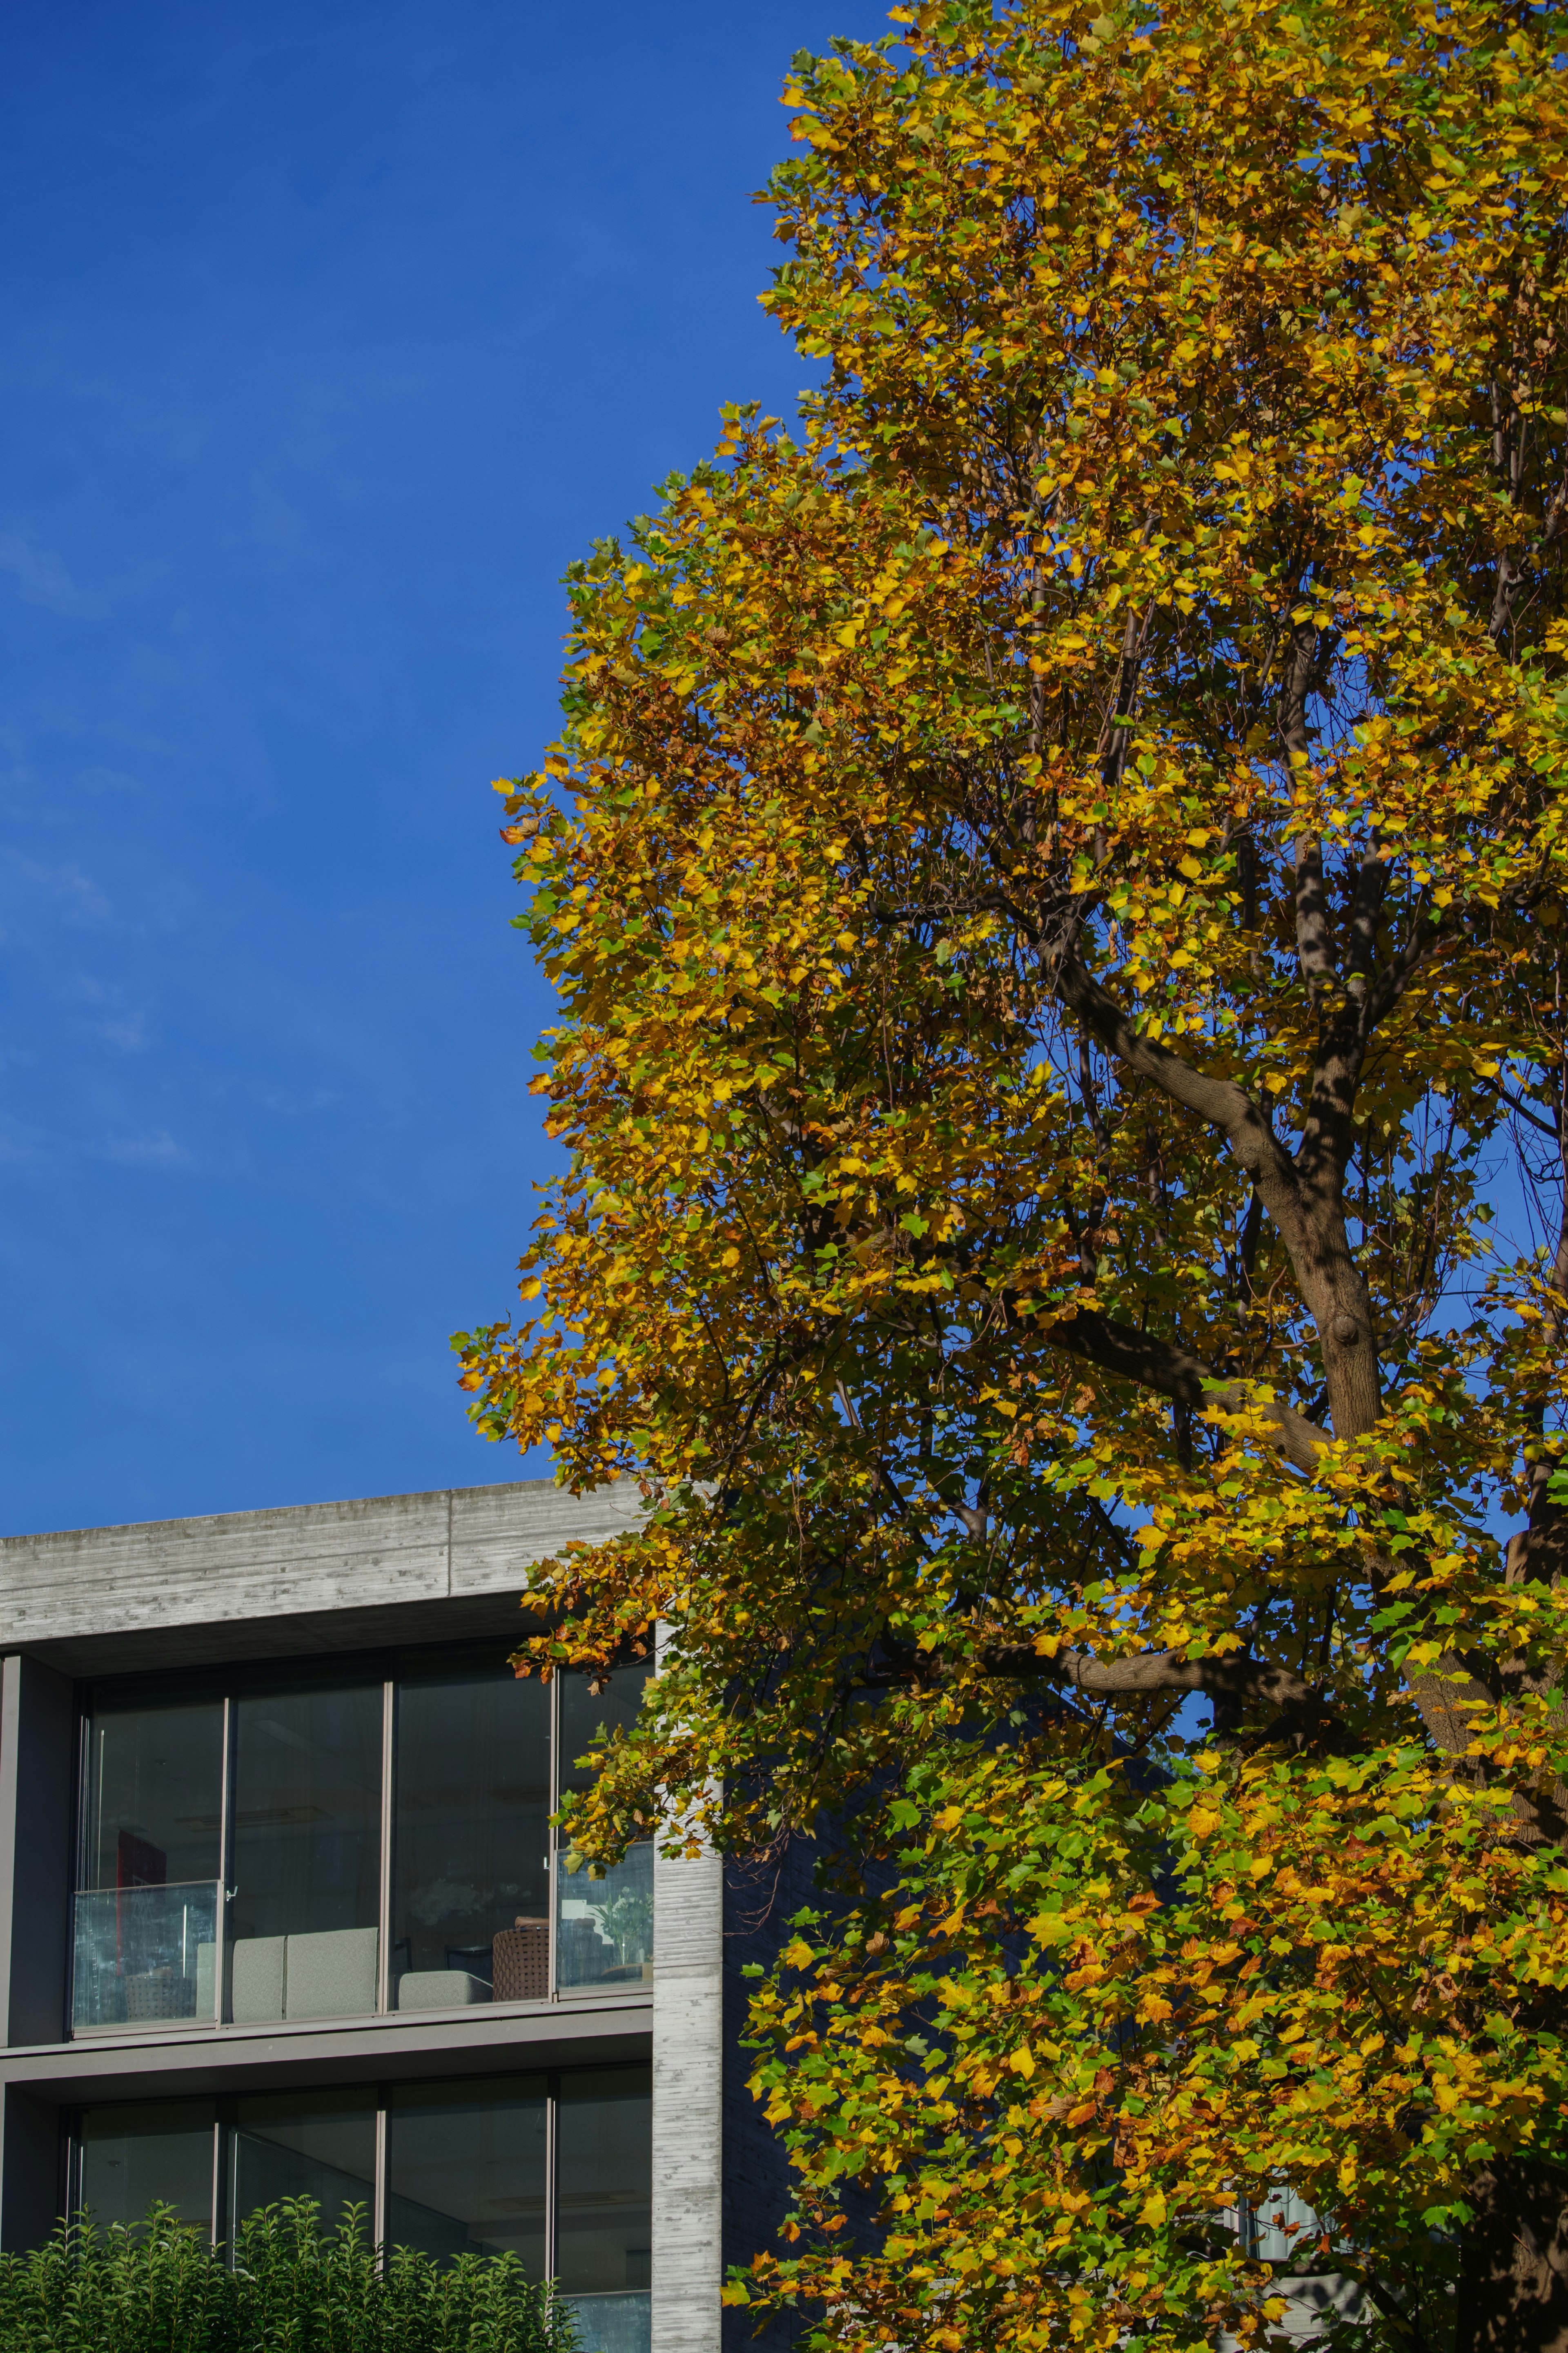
column 380, row 2096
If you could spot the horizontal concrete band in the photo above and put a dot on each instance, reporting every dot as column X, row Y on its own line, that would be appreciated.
column 444, row 1565
column 404, row 2047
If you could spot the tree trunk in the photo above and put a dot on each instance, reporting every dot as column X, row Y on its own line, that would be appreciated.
column 1513, row 2276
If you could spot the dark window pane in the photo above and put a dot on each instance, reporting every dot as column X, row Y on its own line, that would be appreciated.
column 585, row 1713
column 603, row 2170
column 304, row 2145
column 162, row 2149
column 466, row 2170
column 471, row 1841
column 146, row 1911
column 154, row 1795
column 307, row 1853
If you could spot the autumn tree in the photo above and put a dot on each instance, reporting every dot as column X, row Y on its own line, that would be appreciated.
column 1055, row 878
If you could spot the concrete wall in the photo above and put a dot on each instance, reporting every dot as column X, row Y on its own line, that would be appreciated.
column 322, row 1579
column 340, row 1576
column 688, row 2103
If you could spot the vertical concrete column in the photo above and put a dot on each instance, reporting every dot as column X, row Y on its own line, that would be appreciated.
column 36, row 1726
column 688, row 2102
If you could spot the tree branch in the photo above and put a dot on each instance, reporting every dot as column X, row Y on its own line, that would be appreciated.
column 1366, row 906
column 1314, row 938
column 1246, row 1682
column 1220, row 1101
column 1159, row 1365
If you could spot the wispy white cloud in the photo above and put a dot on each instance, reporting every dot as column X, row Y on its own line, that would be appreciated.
column 39, row 577
column 156, row 1150
column 21, row 1145
column 108, row 780
column 35, row 894
column 109, row 1013
column 290, row 1104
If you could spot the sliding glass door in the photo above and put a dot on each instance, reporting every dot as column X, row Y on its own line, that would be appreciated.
column 150, row 1900
column 470, row 1908
column 305, row 1887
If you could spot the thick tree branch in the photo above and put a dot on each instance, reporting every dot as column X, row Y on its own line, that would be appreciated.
column 1314, row 937
column 1367, row 908
column 1302, row 1192
column 1220, row 1101
column 1239, row 1680
column 1171, row 1372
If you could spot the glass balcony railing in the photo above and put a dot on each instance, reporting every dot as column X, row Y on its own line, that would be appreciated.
column 603, row 1928
column 145, row 1956
column 612, row 2324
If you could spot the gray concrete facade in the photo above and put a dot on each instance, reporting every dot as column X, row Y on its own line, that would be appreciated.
column 688, row 2102
column 291, row 1585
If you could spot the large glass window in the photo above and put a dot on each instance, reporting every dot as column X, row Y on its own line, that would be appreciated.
column 304, row 2145
column 467, row 2170
column 604, row 2169
column 470, row 1915
column 306, row 1877
column 556, row 2169
column 246, row 1856
column 154, row 2150
column 146, row 1918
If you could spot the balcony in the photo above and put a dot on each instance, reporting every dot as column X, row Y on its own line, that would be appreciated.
column 386, row 1845
column 604, row 1928
column 144, row 1956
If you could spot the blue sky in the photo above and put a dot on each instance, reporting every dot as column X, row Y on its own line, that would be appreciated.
column 329, row 334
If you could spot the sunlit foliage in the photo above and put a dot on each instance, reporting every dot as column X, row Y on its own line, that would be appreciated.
column 1054, row 874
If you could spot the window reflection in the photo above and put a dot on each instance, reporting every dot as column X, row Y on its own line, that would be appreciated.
column 467, row 2170
column 484, row 1905
column 144, row 1935
column 471, row 1870
column 144, row 2151
column 603, row 1924
column 304, row 2145
column 586, row 1714
column 603, row 2167
column 307, row 1853
column 154, row 1793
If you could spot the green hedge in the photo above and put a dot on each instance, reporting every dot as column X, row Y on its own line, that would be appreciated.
column 290, row 2289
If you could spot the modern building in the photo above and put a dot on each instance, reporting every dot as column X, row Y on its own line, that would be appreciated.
column 281, row 1911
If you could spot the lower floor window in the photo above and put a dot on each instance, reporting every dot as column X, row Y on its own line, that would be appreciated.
column 554, row 2168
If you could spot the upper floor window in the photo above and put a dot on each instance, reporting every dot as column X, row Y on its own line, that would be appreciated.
column 320, row 1847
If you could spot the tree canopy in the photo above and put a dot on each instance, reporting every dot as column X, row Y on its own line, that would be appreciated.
column 1055, row 878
